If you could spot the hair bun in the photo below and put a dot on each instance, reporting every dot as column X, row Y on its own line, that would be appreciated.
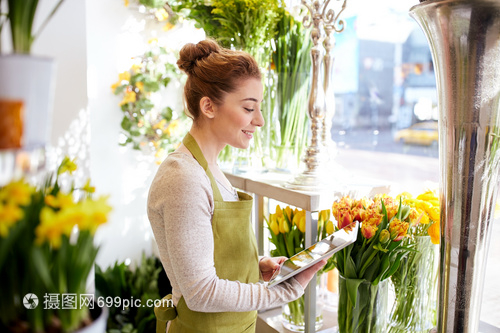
column 191, row 53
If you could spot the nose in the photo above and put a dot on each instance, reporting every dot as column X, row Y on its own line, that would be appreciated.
column 258, row 119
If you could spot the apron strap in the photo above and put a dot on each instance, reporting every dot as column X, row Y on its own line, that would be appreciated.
column 164, row 314
column 193, row 147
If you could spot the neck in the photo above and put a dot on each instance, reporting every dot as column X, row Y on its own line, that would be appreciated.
column 208, row 144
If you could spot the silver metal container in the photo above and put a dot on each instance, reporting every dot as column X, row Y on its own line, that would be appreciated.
column 464, row 37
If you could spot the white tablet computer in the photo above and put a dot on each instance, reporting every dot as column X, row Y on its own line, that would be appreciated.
column 316, row 252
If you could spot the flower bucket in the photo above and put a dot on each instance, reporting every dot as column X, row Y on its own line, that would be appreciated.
column 415, row 285
column 362, row 306
column 100, row 316
column 31, row 81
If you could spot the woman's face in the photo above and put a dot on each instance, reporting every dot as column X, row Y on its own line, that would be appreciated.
column 239, row 114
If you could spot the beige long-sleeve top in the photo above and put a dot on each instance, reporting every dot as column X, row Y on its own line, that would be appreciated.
column 180, row 208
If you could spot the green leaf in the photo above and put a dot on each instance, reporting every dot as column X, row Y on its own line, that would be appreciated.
column 352, row 289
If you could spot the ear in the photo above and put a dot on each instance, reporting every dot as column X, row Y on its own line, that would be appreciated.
column 207, row 107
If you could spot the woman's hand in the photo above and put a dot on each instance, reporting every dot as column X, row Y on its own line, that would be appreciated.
column 268, row 266
column 304, row 277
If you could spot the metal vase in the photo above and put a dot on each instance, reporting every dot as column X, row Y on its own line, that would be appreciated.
column 464, row 37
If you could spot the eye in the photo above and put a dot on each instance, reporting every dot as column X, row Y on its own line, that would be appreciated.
column 249, row 110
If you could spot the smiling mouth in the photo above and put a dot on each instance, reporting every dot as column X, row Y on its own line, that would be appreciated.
column 248, row 133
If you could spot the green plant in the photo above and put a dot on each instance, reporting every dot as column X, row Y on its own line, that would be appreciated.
column 47, row 249
column 121, row 281
column 291, row 64
column 20, row 15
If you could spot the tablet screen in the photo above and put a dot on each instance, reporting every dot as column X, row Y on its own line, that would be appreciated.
column 313, row 254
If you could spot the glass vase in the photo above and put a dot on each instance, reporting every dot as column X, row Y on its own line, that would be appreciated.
column 415, row 286
column 368, row 312
column 293, row 315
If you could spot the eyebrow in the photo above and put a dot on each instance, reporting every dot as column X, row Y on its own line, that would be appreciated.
column 250, row 99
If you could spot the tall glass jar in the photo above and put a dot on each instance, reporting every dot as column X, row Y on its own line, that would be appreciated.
column 362, row 306
column 415, row 286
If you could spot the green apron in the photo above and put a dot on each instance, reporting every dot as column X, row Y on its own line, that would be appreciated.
column 235, row 257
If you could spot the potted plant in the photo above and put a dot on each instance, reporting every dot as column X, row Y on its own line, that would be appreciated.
column 47, row 252
column 26, row 78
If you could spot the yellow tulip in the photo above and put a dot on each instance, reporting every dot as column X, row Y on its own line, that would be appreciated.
column 283, row 226
column 279, row 211
column 288, row 212
column 274, row 225
column 329, row 228
column 302, row 223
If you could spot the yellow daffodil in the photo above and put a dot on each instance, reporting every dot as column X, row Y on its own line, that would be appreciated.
column 61, row 200
column 17, row 193
column 88, row 188
column 124, row 76
column 96, row 213
column 130, row 97
column 434, row 232
column 161, row 14
column 53, row 225
column 9, row 215
column 67, row 165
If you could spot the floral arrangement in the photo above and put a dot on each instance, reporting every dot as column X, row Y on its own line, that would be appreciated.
column 415, row 281
column 47, row 251
column 147, row 123
column 287, row 233
column 372, row 258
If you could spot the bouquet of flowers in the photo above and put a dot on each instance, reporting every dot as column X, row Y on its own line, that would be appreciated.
column 374, row 257
column 47, row 252
column 287, row 230
column 415, row 281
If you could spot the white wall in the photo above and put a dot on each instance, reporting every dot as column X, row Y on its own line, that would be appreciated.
column 92, row 41
column 115, row 34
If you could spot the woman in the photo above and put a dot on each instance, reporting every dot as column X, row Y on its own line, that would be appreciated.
column 201, row 223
